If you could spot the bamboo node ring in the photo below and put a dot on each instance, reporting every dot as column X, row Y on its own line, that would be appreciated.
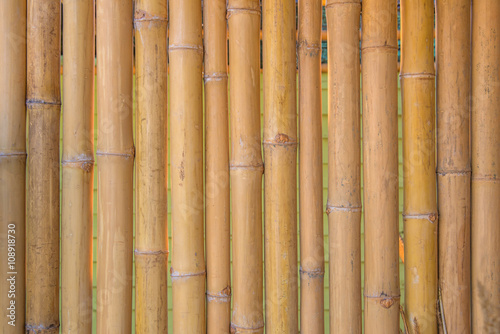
column 215, row 77
column 430, row 217
column 379, row 47
column 330, row 4
column 257, row 167
column 41, row 328
column 177, row 275
column 315, row 273
column 31, row 102
column 330, row 208
column 235, row 10
column 143, row 16
column 12, row 154
column 421, row 75
column 454, row 172
column 485, row 178
column 157, row 252
column 185, row 47
column 237, row 329
column 282, row 140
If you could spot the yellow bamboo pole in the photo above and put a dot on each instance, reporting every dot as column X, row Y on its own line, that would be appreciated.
column 43, row 104
column 280, row 157
column 115, row 162
column 12, row 164
column 186, row 163
column 246, row 165
column 77, row 166
column 419, row 166
column 217, row 168
column 485, row 190
column 312, row 269
column 151, row 234
column 453, row 162
column 380, row 165
column 344, row 188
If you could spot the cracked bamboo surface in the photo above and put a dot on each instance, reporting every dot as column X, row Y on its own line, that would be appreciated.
column 217, row 168
column 280, row 156
column 453, row 161
column 485, row 190
column 77, row 166
column 186, row 124
column 151, row 234
column 12, row 161
column 344, row 163
column 419, row 166
column 115, row 162
column 380, row 165
column 312, row 269
column 246, row 165
column 42, row 224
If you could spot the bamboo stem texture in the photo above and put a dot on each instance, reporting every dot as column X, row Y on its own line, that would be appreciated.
column 44, row 105
column 115, row 163
column 12, row 164
column 344, row 152
column 280, row 156
column 485, row 189
column 312, row 269
column 151, row 243
column 186, row 163
column 453, row 161
column 77, row 166
column 246, row 165
column 380, row 165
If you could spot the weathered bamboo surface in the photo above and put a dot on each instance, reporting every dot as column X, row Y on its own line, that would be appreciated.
column 115, row 162
column 43, row 101
column 453, row 161
column 186, row 159
column 485, row 190
column 280, row 157
column 344, row 165
column 77, row 166
column 380, row 165
column 419, row 165
column 217, row 200
column 151, row 234
column 246, row 165
column 312, row 267
column 12, row 164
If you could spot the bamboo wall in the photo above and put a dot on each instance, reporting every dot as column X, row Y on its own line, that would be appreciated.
column 190, row 131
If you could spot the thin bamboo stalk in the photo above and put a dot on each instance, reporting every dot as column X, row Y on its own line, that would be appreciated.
column 12, row 164
column 380, row 165
column 453, row 171
column 280, row 156
column 312, row 268
column 419, row 166
column 151, row 233
column 344, row 148
column 43, row 104
column 485, row 190
column 217, row 168
column 77, row 166
column 186, row 159
column 115, row 161
column 246, row 165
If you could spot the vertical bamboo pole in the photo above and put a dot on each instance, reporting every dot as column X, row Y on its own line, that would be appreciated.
column 12, row 163
column 217, row 168
column 115, row 162
column 344, row 154
column 380, row 165
column 485, row 191
column 186, row 159
column 151, row 236
column 246, row 165
column 280, row 156
column 312, row 269
column 419, row 166
column 453, row 171
column 77, row 166
column 44, row 104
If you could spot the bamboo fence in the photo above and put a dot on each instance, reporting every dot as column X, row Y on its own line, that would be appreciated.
column 235, row 266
